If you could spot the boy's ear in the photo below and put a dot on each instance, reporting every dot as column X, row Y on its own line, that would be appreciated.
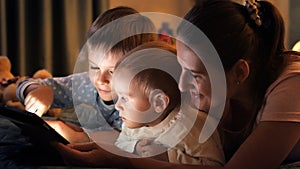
column 160, row 102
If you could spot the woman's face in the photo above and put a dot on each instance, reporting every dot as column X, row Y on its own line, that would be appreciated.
column 194, row 78
column 100, row 73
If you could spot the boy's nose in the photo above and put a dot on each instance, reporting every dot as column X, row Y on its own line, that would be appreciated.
column 101, row 78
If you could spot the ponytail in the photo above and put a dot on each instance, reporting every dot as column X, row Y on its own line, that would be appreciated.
column 269, row 62
column 272, row 33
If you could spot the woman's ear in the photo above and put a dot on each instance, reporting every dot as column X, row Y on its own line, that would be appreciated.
column 160, row 102
column 241, row 70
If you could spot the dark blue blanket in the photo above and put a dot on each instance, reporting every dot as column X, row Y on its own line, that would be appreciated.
column 18, row 151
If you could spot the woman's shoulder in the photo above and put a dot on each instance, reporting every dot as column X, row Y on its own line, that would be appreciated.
column 290, row 72
column 291, row 58
column 277, row 106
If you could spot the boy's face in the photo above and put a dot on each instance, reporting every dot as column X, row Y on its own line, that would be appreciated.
column 100, row 72
column 134, row 107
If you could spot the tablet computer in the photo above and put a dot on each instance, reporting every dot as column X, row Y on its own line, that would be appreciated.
column 31, row 125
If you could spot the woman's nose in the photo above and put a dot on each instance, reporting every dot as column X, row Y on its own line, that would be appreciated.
column 184, row 81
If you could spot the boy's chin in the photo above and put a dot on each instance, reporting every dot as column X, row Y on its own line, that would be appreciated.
column 106, row 98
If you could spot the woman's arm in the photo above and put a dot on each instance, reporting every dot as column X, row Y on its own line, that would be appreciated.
column 265, row 148
column 92, row 155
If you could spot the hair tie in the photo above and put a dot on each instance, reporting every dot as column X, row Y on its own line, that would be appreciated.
column 252, row 8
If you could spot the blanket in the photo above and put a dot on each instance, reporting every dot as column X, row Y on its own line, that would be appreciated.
column 18, row 151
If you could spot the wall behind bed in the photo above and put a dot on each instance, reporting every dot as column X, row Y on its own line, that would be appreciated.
column 48, row 34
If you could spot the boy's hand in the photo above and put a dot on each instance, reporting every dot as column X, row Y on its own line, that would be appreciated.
column 39, row 99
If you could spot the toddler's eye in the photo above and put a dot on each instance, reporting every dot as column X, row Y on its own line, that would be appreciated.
column 124, row 99
column 111, row 72
column 95, row 68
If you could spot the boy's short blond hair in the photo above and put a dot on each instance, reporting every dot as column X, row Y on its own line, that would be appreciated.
column 119, row 30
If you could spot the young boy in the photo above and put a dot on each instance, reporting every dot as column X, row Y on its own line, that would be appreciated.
column 90, row 92
column 155, row 118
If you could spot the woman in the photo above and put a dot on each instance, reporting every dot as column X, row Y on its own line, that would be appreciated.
column 260, row 124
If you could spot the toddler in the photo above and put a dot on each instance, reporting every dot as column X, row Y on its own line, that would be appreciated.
column 155, row 123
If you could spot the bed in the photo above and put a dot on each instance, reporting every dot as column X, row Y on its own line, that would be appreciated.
column 18, row 151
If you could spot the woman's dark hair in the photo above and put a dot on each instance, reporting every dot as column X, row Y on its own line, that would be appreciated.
column 235, row 36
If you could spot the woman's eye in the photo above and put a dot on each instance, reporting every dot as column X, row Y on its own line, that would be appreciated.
column 197, row 76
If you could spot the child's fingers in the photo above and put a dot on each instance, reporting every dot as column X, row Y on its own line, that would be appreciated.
column 33, row 108
column 38, row 101
column 29, row 103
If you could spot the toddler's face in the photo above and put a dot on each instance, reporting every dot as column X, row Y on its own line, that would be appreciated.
column 134, row 107
column 100, row 72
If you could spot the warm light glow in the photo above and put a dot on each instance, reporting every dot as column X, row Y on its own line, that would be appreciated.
column 58, row 128
column 297, row 47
